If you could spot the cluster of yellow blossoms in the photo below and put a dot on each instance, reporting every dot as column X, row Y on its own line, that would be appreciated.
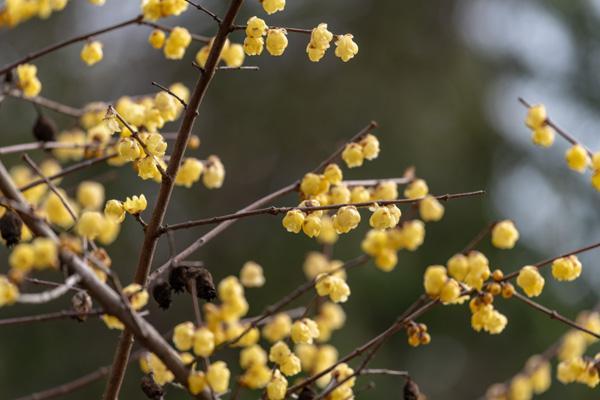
column 28, row 80
column 15, row 12
column 138, row 298
column 578, row 158
column 232, row 54
column 156, row 9
column 417, row 334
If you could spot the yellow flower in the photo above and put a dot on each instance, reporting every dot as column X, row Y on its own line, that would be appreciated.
column 434, row 279
column 335, row 287
column 450, row 292
column 112, row 322
column 9, row 293
column 333, row 174
column 257, row 376
column 277, row 386
column 129, row 149
column 109, row 232
column 253, row 46
column 328, row 235
column 157, row 39
column 89, row 224
column 28, row 81
column 22, row 257
column 56, row 211
column 276, row 40
column 135, row 205
column 45, row 253
column 114, row 210
column 536, row 116
column 293, row 221
column 416, row 189
column 272, row 6
column 320, row 38
column 577, row 158
column 138, row 297
column 75, row 136
column 90, row 195
column 256, row 27
column 346, row 219
column 147, row 168
column 385, row 217
column 291, row 365
column 540, row 373
column 214, row 173
column 370, row 146
column 458, row 266
column 431, row 209
column 252, row 275
column 278, row 328
column 530, row 281
column 386, row 190
column 304, row 331
column 346, row 48
column 543, row 136
column 520, row 388
column 189, row 172
column 233, row 55
column 204, row 342
column 91, row 52
column 177, row 43
column 217, row 376
column 183, row 336
column 566, row 268
column 505, row 235
column 196, row 382
column 353, row 155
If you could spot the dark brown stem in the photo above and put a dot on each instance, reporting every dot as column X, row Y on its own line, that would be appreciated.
column 64, row 314
column 206, row 11
column 166, row 188
column 179, row 99
column 67, row 42
column 281, row 210
column 480, row 236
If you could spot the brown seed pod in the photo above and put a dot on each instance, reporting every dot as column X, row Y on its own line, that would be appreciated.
column 82, row 303
column 180, row 277
column 151, row 389
column 162, row 294
column 44, row 129
column 411, row 390
column 307, row 394
column 10, row 227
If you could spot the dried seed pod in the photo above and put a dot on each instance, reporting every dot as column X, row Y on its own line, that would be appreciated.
column 178, row 279
column 307, row 394
column 162, row 294
column 205, row 286
column 411, row 390
column 44, row 129
column 151, row 389
column 10, row 227
column 82, row 303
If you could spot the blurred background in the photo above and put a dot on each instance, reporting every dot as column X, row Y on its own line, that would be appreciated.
column 441, row 78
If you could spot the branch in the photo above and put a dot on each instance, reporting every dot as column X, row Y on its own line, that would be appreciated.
column 559, row 130
column 46, row 103
column 22, row 147
column 553, row 314
column 206, row 11
column 53, row 294
column 151, row 235
column 64, row 314
column 197, row 38
column 179, row 99
column 67, row 42
column 282, row 210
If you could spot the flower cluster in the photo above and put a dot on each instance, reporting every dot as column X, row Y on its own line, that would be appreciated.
column 232, row 54
column 578, row 158
column 14, row 12
column 178, row 41
column 417, row 334
column 28, row 80
column 156, row 9
column 355, row 153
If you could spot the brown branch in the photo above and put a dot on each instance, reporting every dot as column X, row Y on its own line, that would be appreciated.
column 281, row 210
column 197, row 38
column 179, row 99
column 543, row 263
column 480, row 236
column 46, row 103
column 166, row 188
column 22, row 147
column 553, row 314
column 64, row 314
column 50, row 185
column 206, row 11
column 240, row 68
column 569, row 138
column 67, row 42
column 73, row 168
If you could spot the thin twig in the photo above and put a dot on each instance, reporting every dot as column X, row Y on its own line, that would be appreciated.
column 22, row 147
column 282, row 210
column 480, row 236
column 46, row 103
column 206, row 11
column 49, row 295
column 50, row 185
column 568, row 137
column 64, row 43
column 179, row 99
column 64, row 314
column 240, row 68
column 553, row 314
